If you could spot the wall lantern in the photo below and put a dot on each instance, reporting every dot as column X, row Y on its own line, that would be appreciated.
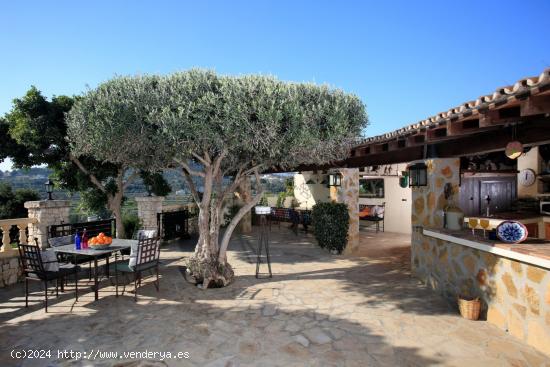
column 335, row 179
column 49, row 188
column 418, row 175
column 404, row 179
column 513, row 149
column 149, row 189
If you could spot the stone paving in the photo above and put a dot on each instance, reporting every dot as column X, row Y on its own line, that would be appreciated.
column 317, row 310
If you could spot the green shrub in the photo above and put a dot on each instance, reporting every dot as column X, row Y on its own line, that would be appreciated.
column 281, row 200
column 131, row 224
column 330, row 223
column 263, row 201
column 12, row 202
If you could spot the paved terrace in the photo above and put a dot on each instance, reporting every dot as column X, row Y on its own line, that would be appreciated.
column 318, row 310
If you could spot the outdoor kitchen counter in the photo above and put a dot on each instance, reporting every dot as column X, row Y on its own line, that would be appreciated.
column 532, row 251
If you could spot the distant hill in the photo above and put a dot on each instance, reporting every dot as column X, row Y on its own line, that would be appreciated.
column 34, row 178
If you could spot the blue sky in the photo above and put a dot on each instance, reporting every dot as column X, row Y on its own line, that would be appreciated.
column 406, row 60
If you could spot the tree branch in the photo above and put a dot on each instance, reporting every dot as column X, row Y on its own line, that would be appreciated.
column 188, row 169
column 218, row 161
column 192, row 187
column 200, row 159
column 207, row 158
column 237, row 218
column 252, row 170
column 91, row 176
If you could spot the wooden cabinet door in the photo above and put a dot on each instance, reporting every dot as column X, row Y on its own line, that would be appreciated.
column 501, row 193
column 469, row 196
column 533, row 229
column 547, row 227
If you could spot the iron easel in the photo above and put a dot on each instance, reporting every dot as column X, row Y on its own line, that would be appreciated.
column 263, row 242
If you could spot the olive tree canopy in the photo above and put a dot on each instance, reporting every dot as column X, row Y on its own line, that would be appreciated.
column 220, row 129
column 236, row 126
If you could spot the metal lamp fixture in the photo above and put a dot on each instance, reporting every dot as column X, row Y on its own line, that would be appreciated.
column 149, row 189
column 335, row 179
column 49, row 188
column 418, row 175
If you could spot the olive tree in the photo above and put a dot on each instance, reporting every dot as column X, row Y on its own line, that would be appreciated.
column 226, row 129
column 109, row 123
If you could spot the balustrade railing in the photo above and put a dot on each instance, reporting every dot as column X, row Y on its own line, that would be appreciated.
column 5, row 226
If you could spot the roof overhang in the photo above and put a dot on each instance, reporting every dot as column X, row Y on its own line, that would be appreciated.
column 520, row 111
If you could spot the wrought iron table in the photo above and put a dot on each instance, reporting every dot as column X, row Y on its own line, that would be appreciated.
column 117, row 245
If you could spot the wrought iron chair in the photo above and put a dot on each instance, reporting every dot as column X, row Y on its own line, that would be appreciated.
column 144, row 257
column 78, row 260
column 35, row 268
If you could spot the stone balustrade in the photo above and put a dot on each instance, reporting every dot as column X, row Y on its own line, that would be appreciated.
column 9, row 262
column 5, row 226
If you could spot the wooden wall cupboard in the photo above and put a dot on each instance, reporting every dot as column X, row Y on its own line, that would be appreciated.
column 474, row 191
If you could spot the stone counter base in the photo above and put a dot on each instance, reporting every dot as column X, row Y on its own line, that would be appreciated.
column 9, row 271
column 515, row 295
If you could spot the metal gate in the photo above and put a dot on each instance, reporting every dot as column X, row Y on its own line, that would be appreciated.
column 173, row 224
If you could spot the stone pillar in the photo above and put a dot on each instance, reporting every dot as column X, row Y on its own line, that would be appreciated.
column 348, row 194
column 46, row 213
column 245, row 196
column 148, row 208
column 428, row 201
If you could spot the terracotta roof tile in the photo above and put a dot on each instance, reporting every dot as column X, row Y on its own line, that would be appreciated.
column 519, row 90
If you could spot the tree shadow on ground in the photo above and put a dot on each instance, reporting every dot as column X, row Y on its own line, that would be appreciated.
column 214, row 327
column 292, row 319
column 384, row 280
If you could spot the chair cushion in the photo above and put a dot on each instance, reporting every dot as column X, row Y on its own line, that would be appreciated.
column 133, row 255
column 378, row 211
column 125, row 267
column 60, row 241
column 146, row 233
column 64, row 270
column 49, row 260
column 365, row 212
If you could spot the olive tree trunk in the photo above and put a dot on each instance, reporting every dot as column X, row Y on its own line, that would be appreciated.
column 115, row 206
column 114, row 201
column 208, row 265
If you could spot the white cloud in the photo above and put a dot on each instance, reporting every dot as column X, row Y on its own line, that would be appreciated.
column 6, row 165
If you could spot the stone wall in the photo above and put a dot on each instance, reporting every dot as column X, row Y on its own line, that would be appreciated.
column 9, row 271
column 515, row 295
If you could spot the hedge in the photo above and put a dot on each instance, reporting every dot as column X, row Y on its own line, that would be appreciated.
column 330, row 223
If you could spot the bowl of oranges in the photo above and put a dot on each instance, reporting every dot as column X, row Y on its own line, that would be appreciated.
column 100, row 241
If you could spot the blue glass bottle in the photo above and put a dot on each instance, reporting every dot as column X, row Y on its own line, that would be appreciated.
column 77, row 241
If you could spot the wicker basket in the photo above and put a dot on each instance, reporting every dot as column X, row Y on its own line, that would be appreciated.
column 469, row 307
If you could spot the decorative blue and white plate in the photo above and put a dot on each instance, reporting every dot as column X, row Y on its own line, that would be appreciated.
column 511, row 231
